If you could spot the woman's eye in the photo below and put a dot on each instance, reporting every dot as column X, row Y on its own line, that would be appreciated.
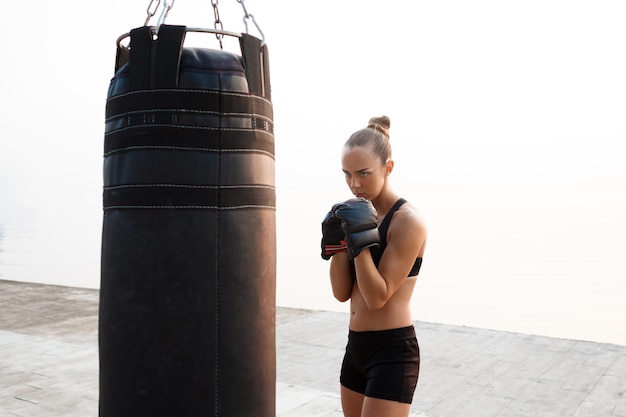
column 364, row 174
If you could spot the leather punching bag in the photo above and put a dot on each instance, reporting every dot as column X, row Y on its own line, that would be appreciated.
column 188, row 266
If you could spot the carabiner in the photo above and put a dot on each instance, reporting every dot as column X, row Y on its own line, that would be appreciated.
column 166, row 9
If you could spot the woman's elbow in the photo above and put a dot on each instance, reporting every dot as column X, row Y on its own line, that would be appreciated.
column 342, row 297
column 375, row 303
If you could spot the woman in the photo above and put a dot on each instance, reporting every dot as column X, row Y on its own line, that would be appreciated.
column 375, row 243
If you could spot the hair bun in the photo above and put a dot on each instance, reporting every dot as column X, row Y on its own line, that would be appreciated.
column 381, row 123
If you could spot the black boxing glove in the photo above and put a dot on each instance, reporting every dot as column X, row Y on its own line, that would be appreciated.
column 333, row 236
column 360, row 223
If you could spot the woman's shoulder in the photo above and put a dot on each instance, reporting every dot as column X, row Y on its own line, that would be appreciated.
column 408, row 218
column 409, row 213
column 407, row 232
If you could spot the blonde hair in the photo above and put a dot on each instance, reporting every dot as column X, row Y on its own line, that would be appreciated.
column 376, row 136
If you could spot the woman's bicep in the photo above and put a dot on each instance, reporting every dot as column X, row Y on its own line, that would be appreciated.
column 404, row 246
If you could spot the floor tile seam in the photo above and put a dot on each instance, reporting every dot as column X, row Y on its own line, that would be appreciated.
column 608, row 374
column 317, row 392
column 592, row 394
column 581, row 369
column 554, row 366
column 622, row 376
column 305, row 405
column 566, row 389
column 586, row 403
column 428, row 410
column 25, row 400
column 305, row 345
column 492, row 387
column 618, row 357
column 420, row 414
column 51, row 341
column 343, row 314
column 21, row 391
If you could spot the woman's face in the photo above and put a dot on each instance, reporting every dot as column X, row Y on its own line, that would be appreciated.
column 365, row 174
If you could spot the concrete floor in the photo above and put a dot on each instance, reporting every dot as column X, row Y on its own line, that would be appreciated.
column 49, row 364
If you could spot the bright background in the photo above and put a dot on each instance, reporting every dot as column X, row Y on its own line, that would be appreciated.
column 508, row 127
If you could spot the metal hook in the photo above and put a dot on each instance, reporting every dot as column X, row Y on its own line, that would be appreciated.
column 247, row 16
column 166, row 9
column 245, row 22
column 243, row 6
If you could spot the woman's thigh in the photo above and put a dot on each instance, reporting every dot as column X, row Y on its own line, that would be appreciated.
column 375, row 407
column 351, row 402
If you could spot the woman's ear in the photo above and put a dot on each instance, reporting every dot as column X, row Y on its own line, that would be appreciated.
column 388, row 167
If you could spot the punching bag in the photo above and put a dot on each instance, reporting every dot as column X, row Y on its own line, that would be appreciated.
column 188, row 265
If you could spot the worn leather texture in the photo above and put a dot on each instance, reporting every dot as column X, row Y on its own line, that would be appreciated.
column 188, row 266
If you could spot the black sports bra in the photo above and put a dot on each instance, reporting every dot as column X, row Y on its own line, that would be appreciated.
column 377, row 253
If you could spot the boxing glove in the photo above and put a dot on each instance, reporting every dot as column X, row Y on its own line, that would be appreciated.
column 359, row 222
column 332, row 236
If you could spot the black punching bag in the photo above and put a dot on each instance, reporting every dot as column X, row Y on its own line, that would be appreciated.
column 188, row 272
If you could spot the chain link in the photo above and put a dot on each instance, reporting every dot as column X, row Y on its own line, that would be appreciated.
column 218, row 22
column 247, row 16
column 152, row 11
column 167, row 6
column 154, row 6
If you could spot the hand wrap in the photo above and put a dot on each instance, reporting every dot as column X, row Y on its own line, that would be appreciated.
column 333, row 236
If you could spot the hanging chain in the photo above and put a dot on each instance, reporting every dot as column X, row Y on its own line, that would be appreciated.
column 167, row 6
column 154, row 5
column 219, row 26
column 151, row 11
column 247, row 16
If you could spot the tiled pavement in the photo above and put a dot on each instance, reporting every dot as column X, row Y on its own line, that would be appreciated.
column 49, row 364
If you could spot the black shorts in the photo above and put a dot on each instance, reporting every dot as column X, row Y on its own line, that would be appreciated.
column 382, row 364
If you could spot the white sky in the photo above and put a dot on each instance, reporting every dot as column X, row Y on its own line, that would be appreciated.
column 508, row 126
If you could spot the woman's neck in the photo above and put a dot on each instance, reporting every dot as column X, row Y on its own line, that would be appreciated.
column 385, row 200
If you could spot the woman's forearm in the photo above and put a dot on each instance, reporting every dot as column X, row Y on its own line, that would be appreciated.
column 341, row 279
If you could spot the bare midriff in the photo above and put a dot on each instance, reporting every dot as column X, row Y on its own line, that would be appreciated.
column 396, row 313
